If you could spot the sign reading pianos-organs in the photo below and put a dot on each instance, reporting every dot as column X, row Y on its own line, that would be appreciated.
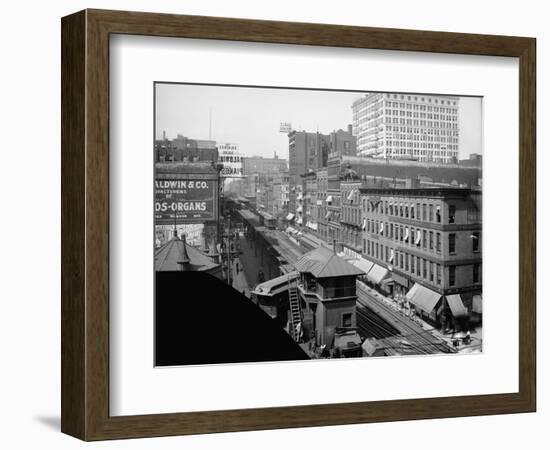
column 184, row 200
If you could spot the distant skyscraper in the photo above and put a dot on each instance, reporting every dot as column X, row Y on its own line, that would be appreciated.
column 407, row 126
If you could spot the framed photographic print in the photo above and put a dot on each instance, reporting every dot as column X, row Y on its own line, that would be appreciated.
column 271, row 224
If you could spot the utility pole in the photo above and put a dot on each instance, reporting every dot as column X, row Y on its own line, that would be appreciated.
column 228, row 246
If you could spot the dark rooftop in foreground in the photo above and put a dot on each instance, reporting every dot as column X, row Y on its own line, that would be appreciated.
column 176, row 256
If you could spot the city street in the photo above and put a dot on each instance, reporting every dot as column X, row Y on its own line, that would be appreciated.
column 252, row 260
column 240, row 283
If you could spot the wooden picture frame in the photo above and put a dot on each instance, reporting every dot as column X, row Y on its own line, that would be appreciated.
column 85, row 224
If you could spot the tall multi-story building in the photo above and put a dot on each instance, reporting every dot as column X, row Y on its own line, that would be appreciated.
column 429, row 240
column 280, row 195
column 259, row 173
column 322, row 194
column 312, row 151
column 305, row 151
column 350, row 215
column 265, row 199
column 309, row 187
column 333, row 200
column 407, row 126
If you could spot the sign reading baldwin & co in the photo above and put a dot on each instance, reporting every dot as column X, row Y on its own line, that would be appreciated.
column 184, row 200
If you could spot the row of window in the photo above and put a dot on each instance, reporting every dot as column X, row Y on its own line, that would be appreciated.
column 417, row 138
column 416, row 237
column 426, row 212
column 425, row 239
column 351, row 215
column 422, row 99
column 451, row 148
column 375, row 108
column 402, row 113
column 417, row 131
column 415, row 265
column 422, row 123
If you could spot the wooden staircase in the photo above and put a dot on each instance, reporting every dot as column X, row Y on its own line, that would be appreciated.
column 295, row 312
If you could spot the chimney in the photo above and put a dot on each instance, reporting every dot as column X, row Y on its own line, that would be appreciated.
column 164, row 135
column 350, row 128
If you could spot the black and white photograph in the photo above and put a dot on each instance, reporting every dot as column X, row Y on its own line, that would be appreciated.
column 302, row 224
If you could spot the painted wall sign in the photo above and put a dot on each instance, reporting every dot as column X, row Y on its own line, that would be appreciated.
column 184, row 201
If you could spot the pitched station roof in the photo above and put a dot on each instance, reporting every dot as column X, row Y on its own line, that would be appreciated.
column 324, row 263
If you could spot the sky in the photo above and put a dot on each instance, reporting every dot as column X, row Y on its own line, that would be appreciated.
column 250, row 116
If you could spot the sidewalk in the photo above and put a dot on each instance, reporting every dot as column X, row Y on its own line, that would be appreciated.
column 239, row 279
column 476, row 336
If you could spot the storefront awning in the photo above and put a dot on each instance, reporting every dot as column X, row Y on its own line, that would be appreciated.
column 319, row 202
column 423, row 298
column 457, row 307
column 312, row 225
column 362, row 264
column 377, row 273
column 399, row 279
column 290, row 216
column 299, row 220
column 477, row 304
column 329, row 199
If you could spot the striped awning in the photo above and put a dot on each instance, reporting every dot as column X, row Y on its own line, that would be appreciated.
column 457, row 307
column 477, row 304
column 423, row 298
column 312, row 225
column 362, row 264
column 377, row 273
